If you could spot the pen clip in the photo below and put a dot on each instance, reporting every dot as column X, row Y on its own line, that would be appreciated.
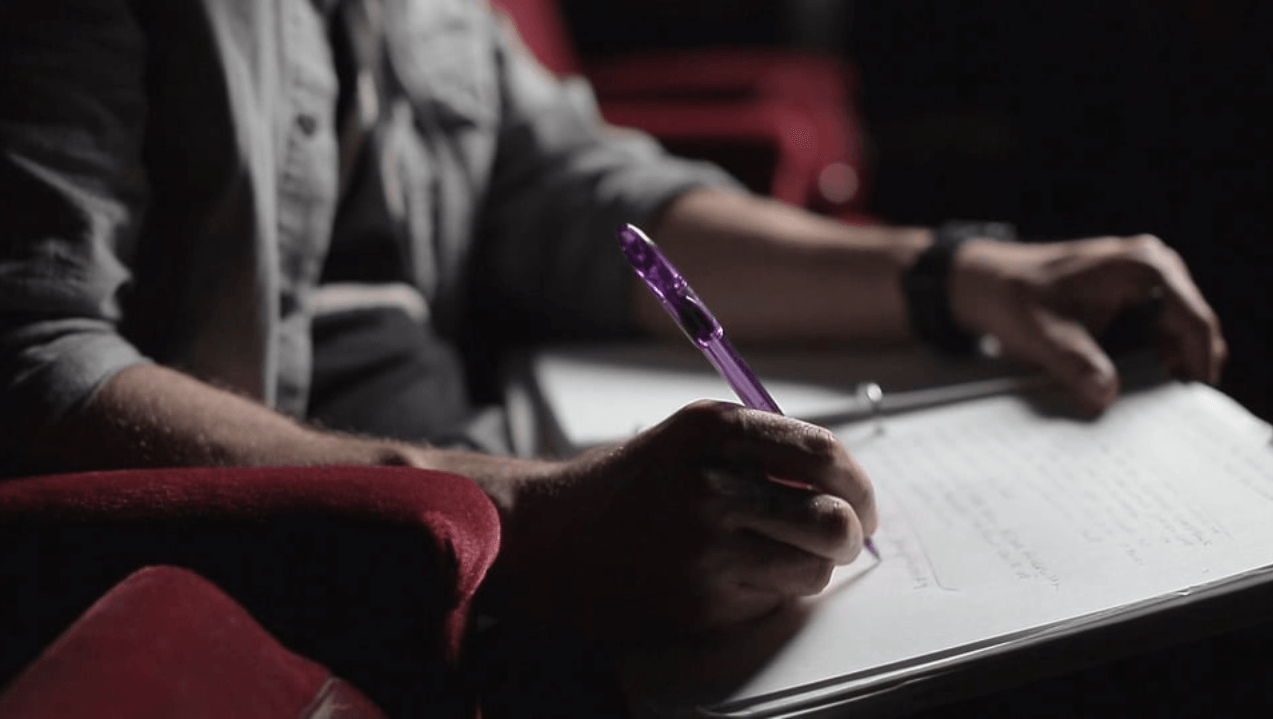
column 693, row 318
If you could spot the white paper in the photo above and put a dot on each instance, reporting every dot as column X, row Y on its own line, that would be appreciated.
column 998, row 519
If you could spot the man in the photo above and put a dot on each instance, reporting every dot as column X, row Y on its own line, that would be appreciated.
column 222, row 216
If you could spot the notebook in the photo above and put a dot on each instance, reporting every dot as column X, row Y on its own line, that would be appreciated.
column 1007, row 524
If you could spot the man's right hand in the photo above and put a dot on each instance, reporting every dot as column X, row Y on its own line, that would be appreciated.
column 683, row 527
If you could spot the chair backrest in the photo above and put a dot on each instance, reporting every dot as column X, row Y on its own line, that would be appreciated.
column 543, row 28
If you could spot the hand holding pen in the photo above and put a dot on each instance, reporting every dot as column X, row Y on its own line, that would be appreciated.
column 700, row 326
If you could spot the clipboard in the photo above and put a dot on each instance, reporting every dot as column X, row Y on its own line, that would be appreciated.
column 973, row 578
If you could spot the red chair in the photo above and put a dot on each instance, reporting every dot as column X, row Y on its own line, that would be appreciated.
column 370, row 572
column 726, row 104
column 167, row 644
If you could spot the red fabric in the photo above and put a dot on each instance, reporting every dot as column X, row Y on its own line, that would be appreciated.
column 799, row 105
column 167, row 643
column 815, row 94
column 723, row 72
column 799, row 150
column 370, row 571
column 540, row 25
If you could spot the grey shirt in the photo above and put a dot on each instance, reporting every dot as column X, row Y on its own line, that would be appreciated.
column 169, row 175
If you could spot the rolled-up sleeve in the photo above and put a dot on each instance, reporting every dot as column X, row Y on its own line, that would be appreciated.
column 563, row 182
column 71, row 198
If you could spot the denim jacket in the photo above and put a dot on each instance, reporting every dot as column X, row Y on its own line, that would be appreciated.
column 169, row 176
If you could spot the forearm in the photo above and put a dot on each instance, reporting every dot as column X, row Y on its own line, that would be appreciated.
column 774, row 272
column 153, row 416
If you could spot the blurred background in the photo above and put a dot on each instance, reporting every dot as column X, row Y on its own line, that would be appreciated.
column 1067, row 117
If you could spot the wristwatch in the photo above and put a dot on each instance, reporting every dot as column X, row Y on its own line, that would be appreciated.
column 926, row 284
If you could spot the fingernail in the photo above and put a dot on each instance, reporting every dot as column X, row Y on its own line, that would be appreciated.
column 1101, row 385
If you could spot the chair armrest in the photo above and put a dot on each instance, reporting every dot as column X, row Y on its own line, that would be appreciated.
column 369, row 571
column 166, row 642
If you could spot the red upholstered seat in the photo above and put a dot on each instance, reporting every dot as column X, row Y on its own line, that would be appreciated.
column 783, row 121
column 370, row 572
column 167, row 643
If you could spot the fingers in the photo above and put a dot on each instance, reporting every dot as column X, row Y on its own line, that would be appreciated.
column 1070, row 355
column 1200, row 351
column 817, row 524
column 699, row 531
column 755, row 562
column 1188, row 322
column 1136, row 268
column 1051, row 297
column 790, row 482
column 765, row 444
column 749, row 575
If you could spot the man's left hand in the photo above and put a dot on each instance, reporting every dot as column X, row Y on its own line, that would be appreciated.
column 1045, row 303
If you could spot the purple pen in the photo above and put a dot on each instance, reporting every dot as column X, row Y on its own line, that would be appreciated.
column 693, row 317
column 696, row 321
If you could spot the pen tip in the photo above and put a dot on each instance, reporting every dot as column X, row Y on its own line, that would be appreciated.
column 870, row 547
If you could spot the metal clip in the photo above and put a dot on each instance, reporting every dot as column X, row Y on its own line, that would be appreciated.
column 871, row 396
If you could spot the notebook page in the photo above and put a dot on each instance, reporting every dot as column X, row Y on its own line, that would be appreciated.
column 999, row 521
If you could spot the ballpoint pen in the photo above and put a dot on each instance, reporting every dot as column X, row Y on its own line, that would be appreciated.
column 697, row 322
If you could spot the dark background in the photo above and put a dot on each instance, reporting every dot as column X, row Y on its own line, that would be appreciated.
column 1069, row 118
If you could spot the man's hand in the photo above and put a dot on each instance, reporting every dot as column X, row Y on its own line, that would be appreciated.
column 1046, row 302
column 682, row 527
column 827, row 280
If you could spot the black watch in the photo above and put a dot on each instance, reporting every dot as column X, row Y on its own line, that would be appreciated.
column 926, row 284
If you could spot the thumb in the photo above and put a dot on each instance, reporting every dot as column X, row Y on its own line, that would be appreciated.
column 1069, row 353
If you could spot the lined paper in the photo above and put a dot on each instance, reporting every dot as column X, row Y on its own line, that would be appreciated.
column 1000, row 520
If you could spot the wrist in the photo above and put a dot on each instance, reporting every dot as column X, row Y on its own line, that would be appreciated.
column 990, row 279
column 943, row 289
